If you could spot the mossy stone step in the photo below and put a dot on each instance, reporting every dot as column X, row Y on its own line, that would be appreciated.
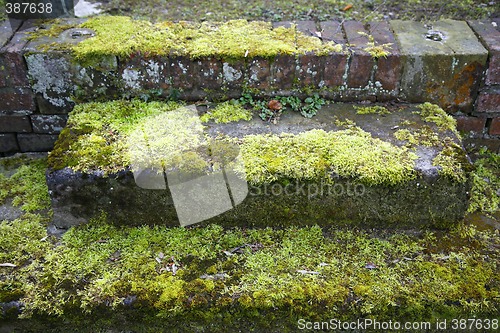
column 157, row 163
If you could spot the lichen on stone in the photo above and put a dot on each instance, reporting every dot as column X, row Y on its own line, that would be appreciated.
column 227, row 112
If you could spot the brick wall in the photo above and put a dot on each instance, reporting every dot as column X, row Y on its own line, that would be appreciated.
column 461, row 73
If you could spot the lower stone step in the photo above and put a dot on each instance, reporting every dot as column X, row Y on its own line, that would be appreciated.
column 167, row 163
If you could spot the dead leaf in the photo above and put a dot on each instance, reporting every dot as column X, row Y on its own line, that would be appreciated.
column 348, row 7
column 370, row 265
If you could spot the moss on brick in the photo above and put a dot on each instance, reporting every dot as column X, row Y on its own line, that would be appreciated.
column 123, row 36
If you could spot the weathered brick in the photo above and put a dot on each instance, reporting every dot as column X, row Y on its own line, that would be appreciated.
column 182, row 70
column 15, row 124
column 8, row 143
column 389, row 68
column 495, row 126
column 139, row 73
column 18, row 101
column 283, row 73
column 13, row 71
column 332, row 31
column 48, row 124
column 210, row 74
column 489, row 100
column 360, row 62
column 334, row 69
column 309, row 71
column 36, row 142
column 470, row 124
column 474, row 144
column 308, row 28
column 259, row 73
column 233, row 77
column 490, row 37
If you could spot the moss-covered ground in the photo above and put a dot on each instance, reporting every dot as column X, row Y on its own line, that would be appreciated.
column 280, row 10
column 149, row 279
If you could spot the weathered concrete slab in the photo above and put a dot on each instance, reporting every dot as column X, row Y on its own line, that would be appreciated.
column 442, row 62
column 300, row 171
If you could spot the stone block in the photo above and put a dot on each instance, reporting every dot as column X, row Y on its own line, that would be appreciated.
column 489, row 101
column 495, row 126
column 471, row 124
column 56, row 76
column 443, row 63
column 36, row 142
column 8, row 143
column 432, row 190
column 15, row 124
column 489, row 35
column 18, row 101
column 48, row 124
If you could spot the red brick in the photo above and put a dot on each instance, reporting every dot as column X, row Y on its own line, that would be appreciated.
column 489, row 101
column 361, row 62
column 233, row 76
column 490, row 37
column 308, row 28
column 334, row 69
column 495, row 126
column 8, row 143
column 310, row 68
column 470, row 124
column 16, row 100
column 332, row 31
column 259, row 73
column 15, row 124
column 390, row 68
column 283, row 71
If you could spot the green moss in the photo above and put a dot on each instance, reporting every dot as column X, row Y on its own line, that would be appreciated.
column 122, row 36
column 450, row 163
column 27, row 187
column 371, row 110
column 97, row 134
column 434, row 114
column 99, row 267
column 50, row 28
column 485, row 194
column 227, row 112
column 316, row 154
column 423, row 136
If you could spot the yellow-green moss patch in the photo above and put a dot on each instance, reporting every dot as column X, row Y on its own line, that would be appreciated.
column 450, row 161
column 122, row 36
column 377, row 109
column 317, row 154
column 227, row 112
column 485, row 192
column 434, row 114
column 27, row 187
